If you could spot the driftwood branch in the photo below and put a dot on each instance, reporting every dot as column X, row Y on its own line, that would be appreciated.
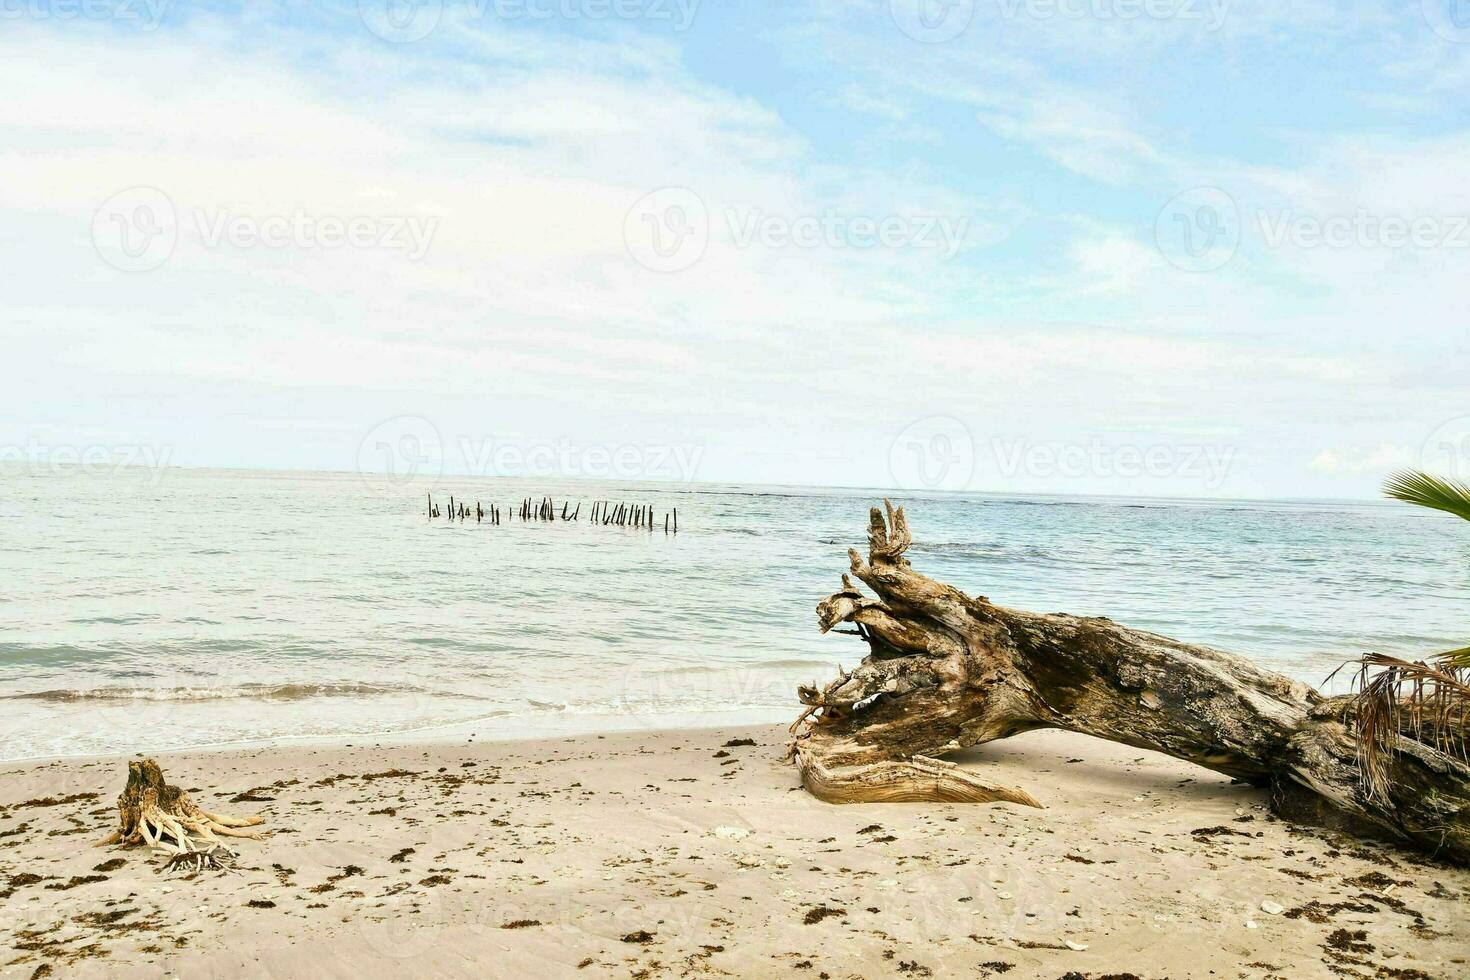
column 945, row 671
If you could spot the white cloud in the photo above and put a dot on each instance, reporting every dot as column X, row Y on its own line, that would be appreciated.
column 528, row 149
column 1114, row 264
column 1382, row 460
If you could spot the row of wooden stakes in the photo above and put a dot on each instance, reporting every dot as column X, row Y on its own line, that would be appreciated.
column 603, row 512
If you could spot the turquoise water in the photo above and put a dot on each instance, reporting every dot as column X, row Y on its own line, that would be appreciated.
column 150, row 610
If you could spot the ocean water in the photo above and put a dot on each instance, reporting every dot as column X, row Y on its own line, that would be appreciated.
column 146, row 610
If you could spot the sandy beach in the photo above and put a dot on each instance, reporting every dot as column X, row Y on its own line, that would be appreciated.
column 694, row 853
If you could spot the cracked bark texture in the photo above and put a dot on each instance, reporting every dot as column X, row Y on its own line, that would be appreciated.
column 945, row 671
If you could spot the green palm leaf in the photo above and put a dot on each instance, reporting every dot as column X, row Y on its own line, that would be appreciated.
column 1435, row 492
column 1456, row 658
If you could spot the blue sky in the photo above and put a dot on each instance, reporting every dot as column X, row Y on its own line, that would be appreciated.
column 1173, row 247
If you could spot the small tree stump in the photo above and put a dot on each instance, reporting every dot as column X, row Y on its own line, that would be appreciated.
column 162, row 816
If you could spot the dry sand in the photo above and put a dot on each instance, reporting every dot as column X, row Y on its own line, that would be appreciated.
column 671, row 854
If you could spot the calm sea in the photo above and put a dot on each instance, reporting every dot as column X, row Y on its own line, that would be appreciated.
column 150, row 610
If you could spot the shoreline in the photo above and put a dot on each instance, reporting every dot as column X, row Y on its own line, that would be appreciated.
column 672, row 853
column 506, row 728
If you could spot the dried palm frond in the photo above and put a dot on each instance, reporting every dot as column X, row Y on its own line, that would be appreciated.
column 1427, row 702
column 1438, row 493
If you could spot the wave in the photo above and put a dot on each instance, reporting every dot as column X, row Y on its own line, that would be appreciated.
column 260, row 692
column 788, row 664
column 985, row 550
column 546, row 705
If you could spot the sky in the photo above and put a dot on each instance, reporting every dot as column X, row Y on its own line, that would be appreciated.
column 1215, row 248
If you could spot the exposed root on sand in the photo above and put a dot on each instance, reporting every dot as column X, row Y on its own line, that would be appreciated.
column 163, row 817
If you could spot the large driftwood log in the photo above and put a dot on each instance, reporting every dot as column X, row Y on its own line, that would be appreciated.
column 945, row 671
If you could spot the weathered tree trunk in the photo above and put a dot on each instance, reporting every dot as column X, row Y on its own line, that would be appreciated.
column 945, row 671
column 152, row 812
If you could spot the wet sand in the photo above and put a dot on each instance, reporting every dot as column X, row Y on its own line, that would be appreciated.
column 673, row 854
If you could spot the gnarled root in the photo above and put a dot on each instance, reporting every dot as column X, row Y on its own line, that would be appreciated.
column 217, row 857
column 919, row 780
column 163, row 817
